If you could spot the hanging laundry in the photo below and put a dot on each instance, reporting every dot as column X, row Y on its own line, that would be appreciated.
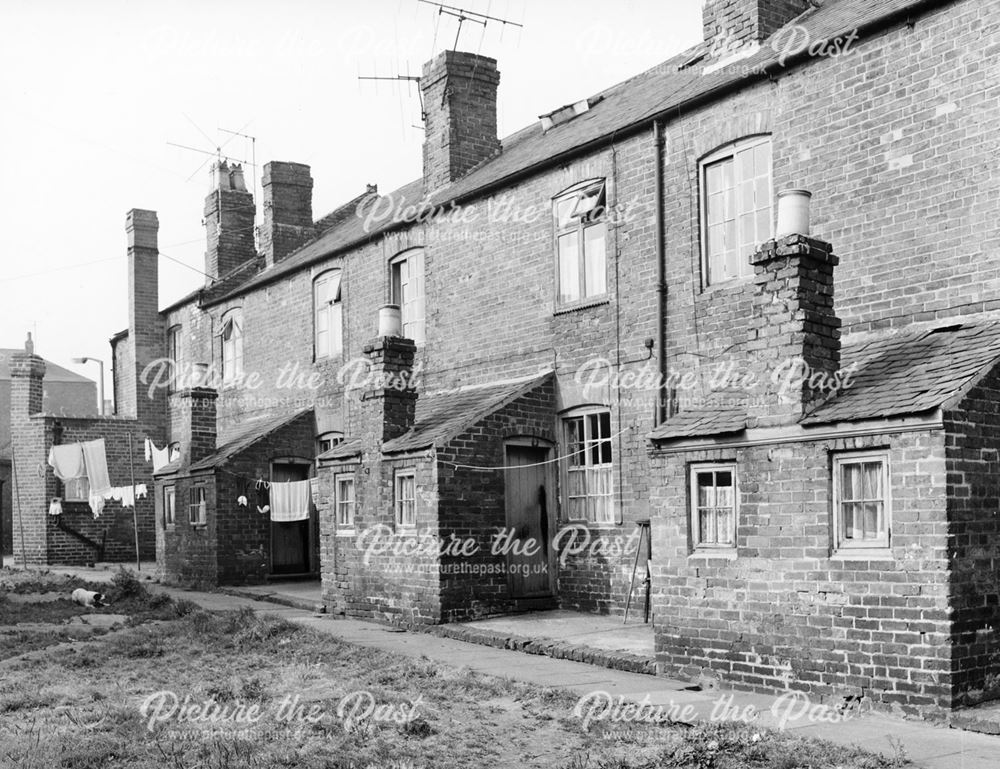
column 55, row 507
column 241, row 501
column 290, row 501
column 96, row 505
column 67, row 461
column 159, row 457
column 96, row 460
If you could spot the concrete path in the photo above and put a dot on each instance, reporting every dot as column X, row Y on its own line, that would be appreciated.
column 925, row 745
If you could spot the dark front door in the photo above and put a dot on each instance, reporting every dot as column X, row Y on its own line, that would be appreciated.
column 529, row 503
column 289, row 541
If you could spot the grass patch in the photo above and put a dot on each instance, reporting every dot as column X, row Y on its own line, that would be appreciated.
column 80, row 706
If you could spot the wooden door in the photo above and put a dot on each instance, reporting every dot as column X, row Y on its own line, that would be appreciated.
column 528, row 496
column 289, row 541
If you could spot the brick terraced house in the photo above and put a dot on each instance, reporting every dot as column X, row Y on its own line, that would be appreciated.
column 598, row 326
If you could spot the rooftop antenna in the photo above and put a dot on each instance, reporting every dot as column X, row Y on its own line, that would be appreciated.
column 217, row 151
column 464, row 15
column 253, row 163
column 407, row 78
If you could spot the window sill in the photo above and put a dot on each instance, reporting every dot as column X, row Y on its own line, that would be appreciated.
column 346, row 532
column 406, row 531
column 170, row 527
column 733, row 284
column 728, row 554
column 199, row 526
column 582, row 304
column 862, row 554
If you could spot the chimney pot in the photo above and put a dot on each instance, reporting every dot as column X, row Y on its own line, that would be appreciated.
column 793, row 213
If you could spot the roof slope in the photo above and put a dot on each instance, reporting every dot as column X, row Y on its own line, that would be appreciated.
column 911, row 373
column 53, row 371
column 246, row 436
column 632, row 103
column 893, row 376
column 443, row 416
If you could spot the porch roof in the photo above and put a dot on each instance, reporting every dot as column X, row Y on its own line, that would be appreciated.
column 446, row 415
column 896, row 375
column 911, row 372
column 246, row 435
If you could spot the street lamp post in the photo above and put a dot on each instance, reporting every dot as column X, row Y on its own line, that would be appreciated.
column 100, row 381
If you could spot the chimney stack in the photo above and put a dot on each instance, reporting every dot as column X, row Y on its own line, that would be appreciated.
column 229, row 221
column 146, row 341
column 30, row 439
column 460, row 124
column 389, row 400
column 794, row 332
column 288, row 217
column 198, row 423
column 731, row 25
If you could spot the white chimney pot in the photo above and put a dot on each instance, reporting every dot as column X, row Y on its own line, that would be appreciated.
column 793, row 213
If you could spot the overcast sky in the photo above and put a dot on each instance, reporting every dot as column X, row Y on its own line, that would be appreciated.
column 92, row 92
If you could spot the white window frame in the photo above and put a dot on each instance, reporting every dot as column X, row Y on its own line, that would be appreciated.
column 175, row 352
column 169, row 509
column 405, row 507
column 201, row 517
column 712, row 274
column 328, row 315
column 76, row 489
column 694, row 513
column 232, row 345
column 408, row 289
column 854, row 543
column 576, row 214
column 595, row 479
column 328, row 440
column 345, row 504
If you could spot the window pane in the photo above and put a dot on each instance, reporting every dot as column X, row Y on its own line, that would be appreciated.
column 594, row 259
column 847, row 528
column 724, row 524
column 872, row 480
column 706, row 490
column 705, row 527
column 850, row 482
column 564, row 210
column 870, row 528
column 336, row 345
column 574, row 441
column 569, row 266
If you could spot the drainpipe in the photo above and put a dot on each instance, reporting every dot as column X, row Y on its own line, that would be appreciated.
column 661, row 279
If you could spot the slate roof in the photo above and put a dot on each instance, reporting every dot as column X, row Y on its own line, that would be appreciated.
column 245, row 436
column 902, row 374
column 443, row 416
column 702, row 422
column 345, row 450
column 53, row 371
column 912, row 372
column 662, row 91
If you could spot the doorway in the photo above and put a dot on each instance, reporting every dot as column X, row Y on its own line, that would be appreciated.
column 290, row 541
column 529, row 502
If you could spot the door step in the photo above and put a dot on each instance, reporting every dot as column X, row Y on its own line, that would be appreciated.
column 535, row 604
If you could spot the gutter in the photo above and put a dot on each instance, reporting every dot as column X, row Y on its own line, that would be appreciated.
column 770, row 71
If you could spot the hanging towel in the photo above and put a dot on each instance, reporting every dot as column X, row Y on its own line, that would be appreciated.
column 55, row 507
column 127, row 496
column 96, row 505
column 290, row 501
column 160, row 457
column 97, row 466
column 141, row 491
column 67, row 461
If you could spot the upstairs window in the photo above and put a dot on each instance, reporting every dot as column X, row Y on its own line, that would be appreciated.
column 713, row 506
column 329, row 319
column 590, row 467
column 175, row 352
column 232, row 346
column 407, row 273
column 736, row 207
column 581, row 233
column 861, row 500
column 327, row 441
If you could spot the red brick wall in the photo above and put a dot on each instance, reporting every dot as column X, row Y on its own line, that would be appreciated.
column 973, row 487
column 784, row 613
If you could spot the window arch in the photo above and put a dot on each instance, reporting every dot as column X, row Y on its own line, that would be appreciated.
column 328, row 315
column 232, row 345
column 407, row 290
